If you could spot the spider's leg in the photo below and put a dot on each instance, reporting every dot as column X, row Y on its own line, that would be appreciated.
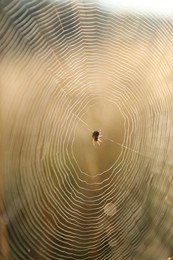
column 100, row 134
column 93, row 142
column 99, row 140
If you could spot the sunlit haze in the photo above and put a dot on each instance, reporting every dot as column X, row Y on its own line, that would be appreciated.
column 154, row 6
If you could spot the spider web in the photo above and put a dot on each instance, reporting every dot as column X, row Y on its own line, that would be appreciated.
column 69, row 68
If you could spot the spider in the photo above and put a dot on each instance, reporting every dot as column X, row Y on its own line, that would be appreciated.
column 96, row 137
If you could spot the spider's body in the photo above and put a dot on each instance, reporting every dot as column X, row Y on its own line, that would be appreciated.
column 96, row 137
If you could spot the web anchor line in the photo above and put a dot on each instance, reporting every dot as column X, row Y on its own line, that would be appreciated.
column 123, row 146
